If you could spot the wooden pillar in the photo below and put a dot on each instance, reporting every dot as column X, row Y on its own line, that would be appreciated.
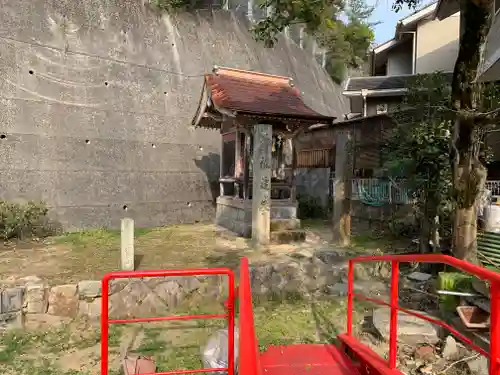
column 342, row 188
column 221, row 165
column 246, row 165
column 293, row 187
column 237, row 155
column 261, row 186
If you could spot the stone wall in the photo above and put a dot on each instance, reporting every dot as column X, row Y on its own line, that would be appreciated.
column 24, row 299
column 236, row 214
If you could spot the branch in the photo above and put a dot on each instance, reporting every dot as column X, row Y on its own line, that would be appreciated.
column 487, row 118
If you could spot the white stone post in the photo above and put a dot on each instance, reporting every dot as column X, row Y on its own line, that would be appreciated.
column 127, row 244
column 261, row 185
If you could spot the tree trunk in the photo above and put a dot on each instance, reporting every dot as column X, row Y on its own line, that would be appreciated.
column 468, row 172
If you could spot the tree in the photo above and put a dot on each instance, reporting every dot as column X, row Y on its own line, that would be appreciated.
column 341, row 29
column 417, row 152
column 471, row 105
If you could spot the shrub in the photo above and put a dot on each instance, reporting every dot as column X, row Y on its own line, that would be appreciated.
column 310, row 207
column 19, row 220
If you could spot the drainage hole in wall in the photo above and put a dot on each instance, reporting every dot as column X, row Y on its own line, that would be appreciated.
column 189, row 204
column 106, row 83
column 31, row 72
column 3, row 136
column 153, row 145
column 125, row 207
column 164, row 92
column 87, row 141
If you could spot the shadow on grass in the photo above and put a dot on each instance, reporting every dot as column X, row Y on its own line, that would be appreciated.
column 327, row 331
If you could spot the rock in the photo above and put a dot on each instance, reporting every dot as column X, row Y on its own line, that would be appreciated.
column 12, row 300
column 440, row 365
column 170, row 293
column 338, row 289
column 117, row 285
column 478, row 366
column 425, row 353
column 360, row 272
column 89, row 289
column 419, row 276
column 427, row 370
column 411, row 330
column 366, row 288
column 90, row 309
column 63, row 300
column 36, row 298
column 302, row 253
column 451, row 351
column 12, row 320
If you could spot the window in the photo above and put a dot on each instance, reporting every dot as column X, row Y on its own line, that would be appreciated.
column 381, row 108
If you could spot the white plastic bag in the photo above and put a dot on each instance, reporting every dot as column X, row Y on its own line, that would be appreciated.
column 215, row 352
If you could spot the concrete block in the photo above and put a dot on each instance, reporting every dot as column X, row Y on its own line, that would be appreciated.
column 36, row 298
column 89, row 289
column 12, row 320
column 12, row 300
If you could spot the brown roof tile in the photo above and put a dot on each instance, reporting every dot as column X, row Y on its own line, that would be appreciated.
column 257, row 93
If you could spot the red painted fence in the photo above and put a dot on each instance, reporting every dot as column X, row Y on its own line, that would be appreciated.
column 229, row 315
column 482, row 273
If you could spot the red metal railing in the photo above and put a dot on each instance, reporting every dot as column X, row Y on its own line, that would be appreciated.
column 482, row 273
column 229, row 315
column 248, row 349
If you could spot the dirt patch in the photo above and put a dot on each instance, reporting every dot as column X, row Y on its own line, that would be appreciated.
column 89, row 255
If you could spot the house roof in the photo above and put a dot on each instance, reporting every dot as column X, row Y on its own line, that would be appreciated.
column 409, row 22
column 233, row 91
column 384, row 84
column 406, row 24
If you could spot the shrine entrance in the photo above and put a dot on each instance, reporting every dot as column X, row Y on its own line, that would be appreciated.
column 258, row 116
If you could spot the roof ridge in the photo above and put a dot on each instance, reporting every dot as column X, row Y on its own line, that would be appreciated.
column 216, row 69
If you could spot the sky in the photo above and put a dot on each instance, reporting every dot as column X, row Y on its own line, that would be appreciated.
column 388, row 18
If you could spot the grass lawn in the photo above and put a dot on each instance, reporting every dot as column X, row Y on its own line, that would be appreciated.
column 74, row 349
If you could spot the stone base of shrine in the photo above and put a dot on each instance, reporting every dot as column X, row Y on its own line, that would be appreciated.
column 235, row 214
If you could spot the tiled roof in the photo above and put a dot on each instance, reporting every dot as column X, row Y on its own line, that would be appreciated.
column 383, row 82
column 257, row 93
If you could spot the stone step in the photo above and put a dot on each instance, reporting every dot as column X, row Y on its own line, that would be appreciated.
column 278, row 225
column 288, row 236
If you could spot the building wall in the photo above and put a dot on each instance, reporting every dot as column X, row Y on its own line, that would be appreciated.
column 400, row 60
column 374, row 103
column 97, row 98
column 491, row 67
column 437, row 44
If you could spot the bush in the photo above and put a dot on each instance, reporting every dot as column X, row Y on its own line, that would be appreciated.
column 20, row 220
column 310, row 207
